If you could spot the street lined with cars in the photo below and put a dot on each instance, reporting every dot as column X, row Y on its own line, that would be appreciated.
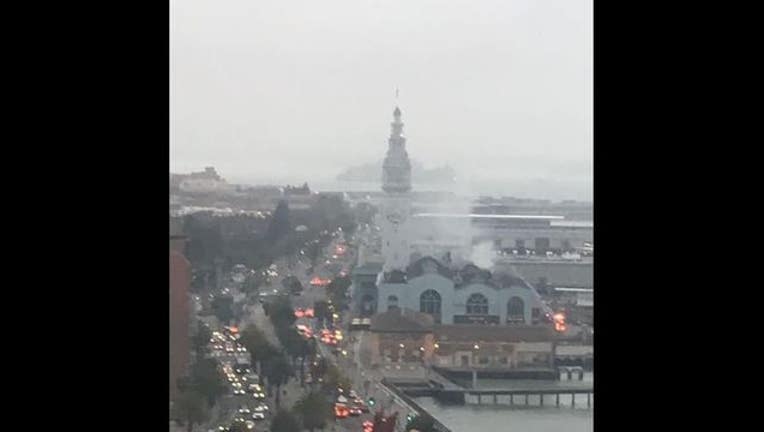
column 247, row 401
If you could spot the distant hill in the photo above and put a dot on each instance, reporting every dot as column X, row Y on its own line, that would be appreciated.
column 372, row 172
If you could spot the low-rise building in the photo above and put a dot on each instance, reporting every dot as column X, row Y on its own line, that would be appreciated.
column 459, row 347
column 398, row 336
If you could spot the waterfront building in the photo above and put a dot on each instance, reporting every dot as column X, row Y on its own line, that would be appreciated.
column 435, row 282
column 492, row 348
column 398, row 336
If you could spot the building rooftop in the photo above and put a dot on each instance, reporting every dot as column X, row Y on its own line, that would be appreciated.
column 401, row 321
column 568, row 274
column 474, row 334
column 488, row 216
column 368, row 268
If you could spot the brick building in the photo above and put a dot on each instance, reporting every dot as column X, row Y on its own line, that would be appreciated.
column 180, row 281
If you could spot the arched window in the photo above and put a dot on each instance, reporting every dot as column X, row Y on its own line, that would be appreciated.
column 429, row 302
column 368, row 306
column 516, row 310
column 392, row 302
column 477, row 304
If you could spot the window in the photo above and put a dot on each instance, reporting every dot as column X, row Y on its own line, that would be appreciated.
column 520, row 244
column 483, row 360
column 477, row 304
column 536, row 315
column 516, row 310
column 392, row 302
column 503, row 360
column 429, row 302
column 542, row 244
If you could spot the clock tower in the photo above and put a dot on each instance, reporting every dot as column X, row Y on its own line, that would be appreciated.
column 396, row 205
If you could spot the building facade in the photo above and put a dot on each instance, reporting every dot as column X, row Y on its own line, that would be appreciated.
column 394, row 219
column 493, row 348
column 398, row 336
column 468, row 295
column 180, row 281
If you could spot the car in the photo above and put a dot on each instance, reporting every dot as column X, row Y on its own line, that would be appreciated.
column 252, row 378
column 340, row 411
column 258, row 416
column 244, row 410
column 355, row 411
column 250, row 424
column 257, row 391
column 262, row 408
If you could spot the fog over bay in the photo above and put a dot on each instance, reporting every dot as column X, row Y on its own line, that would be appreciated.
column 293, row 91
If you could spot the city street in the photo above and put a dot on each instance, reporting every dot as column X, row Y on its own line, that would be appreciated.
column 227, row 408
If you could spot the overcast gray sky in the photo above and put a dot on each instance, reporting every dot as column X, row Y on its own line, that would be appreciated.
column 294, row 90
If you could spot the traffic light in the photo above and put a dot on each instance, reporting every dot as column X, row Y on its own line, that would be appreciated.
column 372, row 401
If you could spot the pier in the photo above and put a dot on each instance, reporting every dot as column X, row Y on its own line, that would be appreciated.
column 523, row 393
column 514, row 397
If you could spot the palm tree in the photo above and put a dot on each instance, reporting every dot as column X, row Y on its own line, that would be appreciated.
column 277, row 371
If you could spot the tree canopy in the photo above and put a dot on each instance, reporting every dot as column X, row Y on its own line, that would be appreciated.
column 285, row 421
column 190, row 407
column 337, row 290
column 206, row 380
column 277, row 370
column 222, row 307
column 422, row 423
column 314, row 410
column 201, row 339
column 280, row 225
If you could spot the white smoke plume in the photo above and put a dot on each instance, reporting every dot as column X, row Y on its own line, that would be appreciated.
column 483, row 255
